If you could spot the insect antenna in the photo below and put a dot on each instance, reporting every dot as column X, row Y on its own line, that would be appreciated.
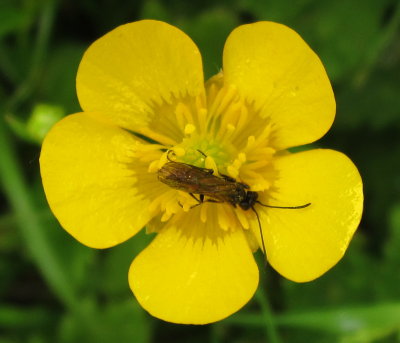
column 285, row 207
column 261, row 234
column 202, row 153
column 168, row 153
column 270, row 206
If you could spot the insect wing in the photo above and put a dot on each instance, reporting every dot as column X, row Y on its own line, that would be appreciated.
column 191, row 179
column 182, row 176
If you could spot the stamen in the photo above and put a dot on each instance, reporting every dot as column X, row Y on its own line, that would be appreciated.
column 226, row 98
column 189, row 129
column 221, row 129
column 165, row 217
column 202, row 117
column 153, row 166
column 201, row 112
column 158, row 137
column 203, row 212
column 258, row 164
column 243, row 219
column 232, row 171
column 180, row 117
column 243, row 118
column 179, row 151
column 250, row 142
column 183, row 111
column 210, row 164
column 223, row 219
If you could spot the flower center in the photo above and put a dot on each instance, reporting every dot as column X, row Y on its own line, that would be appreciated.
column 223, row 133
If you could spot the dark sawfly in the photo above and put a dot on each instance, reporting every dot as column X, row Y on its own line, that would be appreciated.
column 218, row 189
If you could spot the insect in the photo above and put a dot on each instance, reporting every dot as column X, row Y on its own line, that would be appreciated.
column 218, row 189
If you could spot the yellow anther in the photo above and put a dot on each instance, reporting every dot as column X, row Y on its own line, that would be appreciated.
column 189, row 129
column 232, row 171
column 179, row 151
column 237, row 163
column 230, row 128
column 210, row 164
column 162, row 160
column 166, row 216
column 153, row 166
column 250, row 141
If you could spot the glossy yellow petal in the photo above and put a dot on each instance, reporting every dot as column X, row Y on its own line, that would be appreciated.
column 278, row 74
column 302, row 244
column 194, row 272
column 134, row 69
column 88, row 182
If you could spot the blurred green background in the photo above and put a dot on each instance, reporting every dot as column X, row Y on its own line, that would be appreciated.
column 52, row 289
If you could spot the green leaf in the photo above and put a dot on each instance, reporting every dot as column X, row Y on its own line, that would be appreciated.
column 209, row 31
column 58, row 84
column 155, row 9
column 354, row 324
column 345, row 320
column 12, row 19
column 122, row 321
column 126, row 321
column 42, row 118
column 114, row 274
column 283, row 11
column 392, row 250
column 341, row 32
column 23, row 318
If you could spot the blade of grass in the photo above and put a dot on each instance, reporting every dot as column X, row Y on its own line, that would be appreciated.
column 22, row 317
column 267, row 316
column 17, row 191
column 33, row 233
column 45, row 25
column 18, row 196
column 377, row 47
column 335, row 321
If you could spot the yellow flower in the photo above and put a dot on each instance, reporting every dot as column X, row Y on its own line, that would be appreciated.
column 142, row 93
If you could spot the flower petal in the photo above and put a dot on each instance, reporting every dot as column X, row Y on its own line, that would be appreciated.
column 302, row 244
column 194, row 272
column 278, row 73
column 128, row 72
column 88, row 184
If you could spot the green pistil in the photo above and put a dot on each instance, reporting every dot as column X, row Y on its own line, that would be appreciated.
column 221, row 154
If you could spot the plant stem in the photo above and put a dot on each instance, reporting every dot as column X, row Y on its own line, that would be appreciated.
column 32, row 232
column 18, row 194
column 377, row 47
column 46, row 20
column 270, row 328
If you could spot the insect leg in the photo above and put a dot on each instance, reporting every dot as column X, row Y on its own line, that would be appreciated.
column 201, row 200
column 168, row 158
column 227, row 178
column 213, row 201
column 261, row 234
column 202, row 153
column 198, row 200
